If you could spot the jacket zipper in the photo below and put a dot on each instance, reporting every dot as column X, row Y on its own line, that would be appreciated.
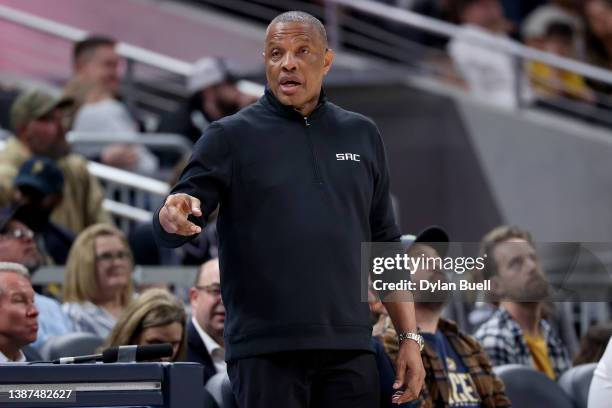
column 315, row 162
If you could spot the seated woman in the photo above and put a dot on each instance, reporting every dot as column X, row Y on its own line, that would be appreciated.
column 157, row 316
column 98, row 279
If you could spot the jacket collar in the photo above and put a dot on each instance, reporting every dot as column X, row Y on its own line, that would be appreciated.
column 287, row 111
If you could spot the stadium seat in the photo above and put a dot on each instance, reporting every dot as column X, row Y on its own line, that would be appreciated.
column 576, row 383
column 71, row 344
column 528, row 388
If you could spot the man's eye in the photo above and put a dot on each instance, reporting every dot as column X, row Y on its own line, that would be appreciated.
column 305, row 51
column 275, row 53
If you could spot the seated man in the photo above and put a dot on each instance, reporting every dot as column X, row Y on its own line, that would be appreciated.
column 18, row 314
column 17, row 245
column 458, row 372
column 38, row 191
column 205, row 330
column 517, row 333
column 37, row 121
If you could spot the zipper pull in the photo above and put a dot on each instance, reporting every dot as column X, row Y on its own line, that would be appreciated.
column 306, row 121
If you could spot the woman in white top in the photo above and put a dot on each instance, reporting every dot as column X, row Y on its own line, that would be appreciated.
column 600, row 393
column 98, row 279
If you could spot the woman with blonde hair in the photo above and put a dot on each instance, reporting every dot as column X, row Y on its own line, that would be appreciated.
column 98, row 279
column 157, row 316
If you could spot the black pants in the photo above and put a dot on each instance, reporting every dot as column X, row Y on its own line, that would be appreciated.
column 306, row 379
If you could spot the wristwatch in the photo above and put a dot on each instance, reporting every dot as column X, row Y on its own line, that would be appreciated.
column 412, row 336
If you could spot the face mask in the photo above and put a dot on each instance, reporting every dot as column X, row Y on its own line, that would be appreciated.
column 34, row 217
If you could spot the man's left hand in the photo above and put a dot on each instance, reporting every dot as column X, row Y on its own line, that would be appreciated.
column 409, row 372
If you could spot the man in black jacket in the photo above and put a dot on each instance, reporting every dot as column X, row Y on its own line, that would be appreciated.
column 205, row 330
column 301, row 183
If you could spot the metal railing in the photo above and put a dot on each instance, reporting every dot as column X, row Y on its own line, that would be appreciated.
column 179, row 276
column 129, row 197
column 89, row 142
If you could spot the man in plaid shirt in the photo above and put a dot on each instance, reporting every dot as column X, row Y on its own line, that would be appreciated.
column 458, row 372
column 517, row 333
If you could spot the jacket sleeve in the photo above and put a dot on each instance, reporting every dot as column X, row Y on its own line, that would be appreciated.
column 207, row 177
column 382, row 220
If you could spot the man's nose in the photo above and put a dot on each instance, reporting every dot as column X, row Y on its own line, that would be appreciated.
column 289, row 63
column 32, row 311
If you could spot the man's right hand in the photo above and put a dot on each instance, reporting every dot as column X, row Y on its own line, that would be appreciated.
column 174, row 213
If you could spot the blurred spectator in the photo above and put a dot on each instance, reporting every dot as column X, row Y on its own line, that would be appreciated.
column 458, row 370
column 517, row 333
column 600, row 392
column 98, row 279
column 95, row 89
column 593, row 344
column 205, row 330
column 214, row 95
column 554, row 32
column 17, row 245
column 598, row 14
column 36, row 118
column 39, row 189
column 489, row 74
column 18, row 313
column 155, row 317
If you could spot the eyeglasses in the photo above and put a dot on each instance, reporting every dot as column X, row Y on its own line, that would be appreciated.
column 111, row 256
column 19, row 233
column 213, row 290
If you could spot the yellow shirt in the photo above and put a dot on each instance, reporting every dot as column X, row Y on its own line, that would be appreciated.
column 539, row 354
column 548, row 80
column 83, row 194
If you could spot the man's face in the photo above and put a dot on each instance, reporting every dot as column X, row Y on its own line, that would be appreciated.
column 206, row 303
column 18, row 314
column 296, row 60
column 484, row 13
column 113, row 265
column 45, row 136
column 102, row 67
column 17, row 245
column 519, row 274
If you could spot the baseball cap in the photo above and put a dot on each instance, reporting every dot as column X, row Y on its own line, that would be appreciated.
column 207, row 72
column 435, row 236
column 42, row 174
column 537, row 23
column 34, row 104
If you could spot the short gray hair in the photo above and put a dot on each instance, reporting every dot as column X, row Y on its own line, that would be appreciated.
column 296, row 16
column 14, row 267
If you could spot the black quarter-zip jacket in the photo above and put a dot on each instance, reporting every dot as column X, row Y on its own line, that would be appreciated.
column 297, row 197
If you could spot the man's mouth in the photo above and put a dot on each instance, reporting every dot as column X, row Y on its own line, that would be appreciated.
column 289, row 85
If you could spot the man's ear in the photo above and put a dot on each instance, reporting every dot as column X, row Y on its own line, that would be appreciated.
column 497, row 290
column 193, row 295
column 328, row 59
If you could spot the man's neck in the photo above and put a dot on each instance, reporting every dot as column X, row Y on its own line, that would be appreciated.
column 527, row 315
column 11, row 351
column 307, row 108
column 426, row 318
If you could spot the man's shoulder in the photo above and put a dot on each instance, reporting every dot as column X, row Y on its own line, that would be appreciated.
column 497, row 325
column 348, row 116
